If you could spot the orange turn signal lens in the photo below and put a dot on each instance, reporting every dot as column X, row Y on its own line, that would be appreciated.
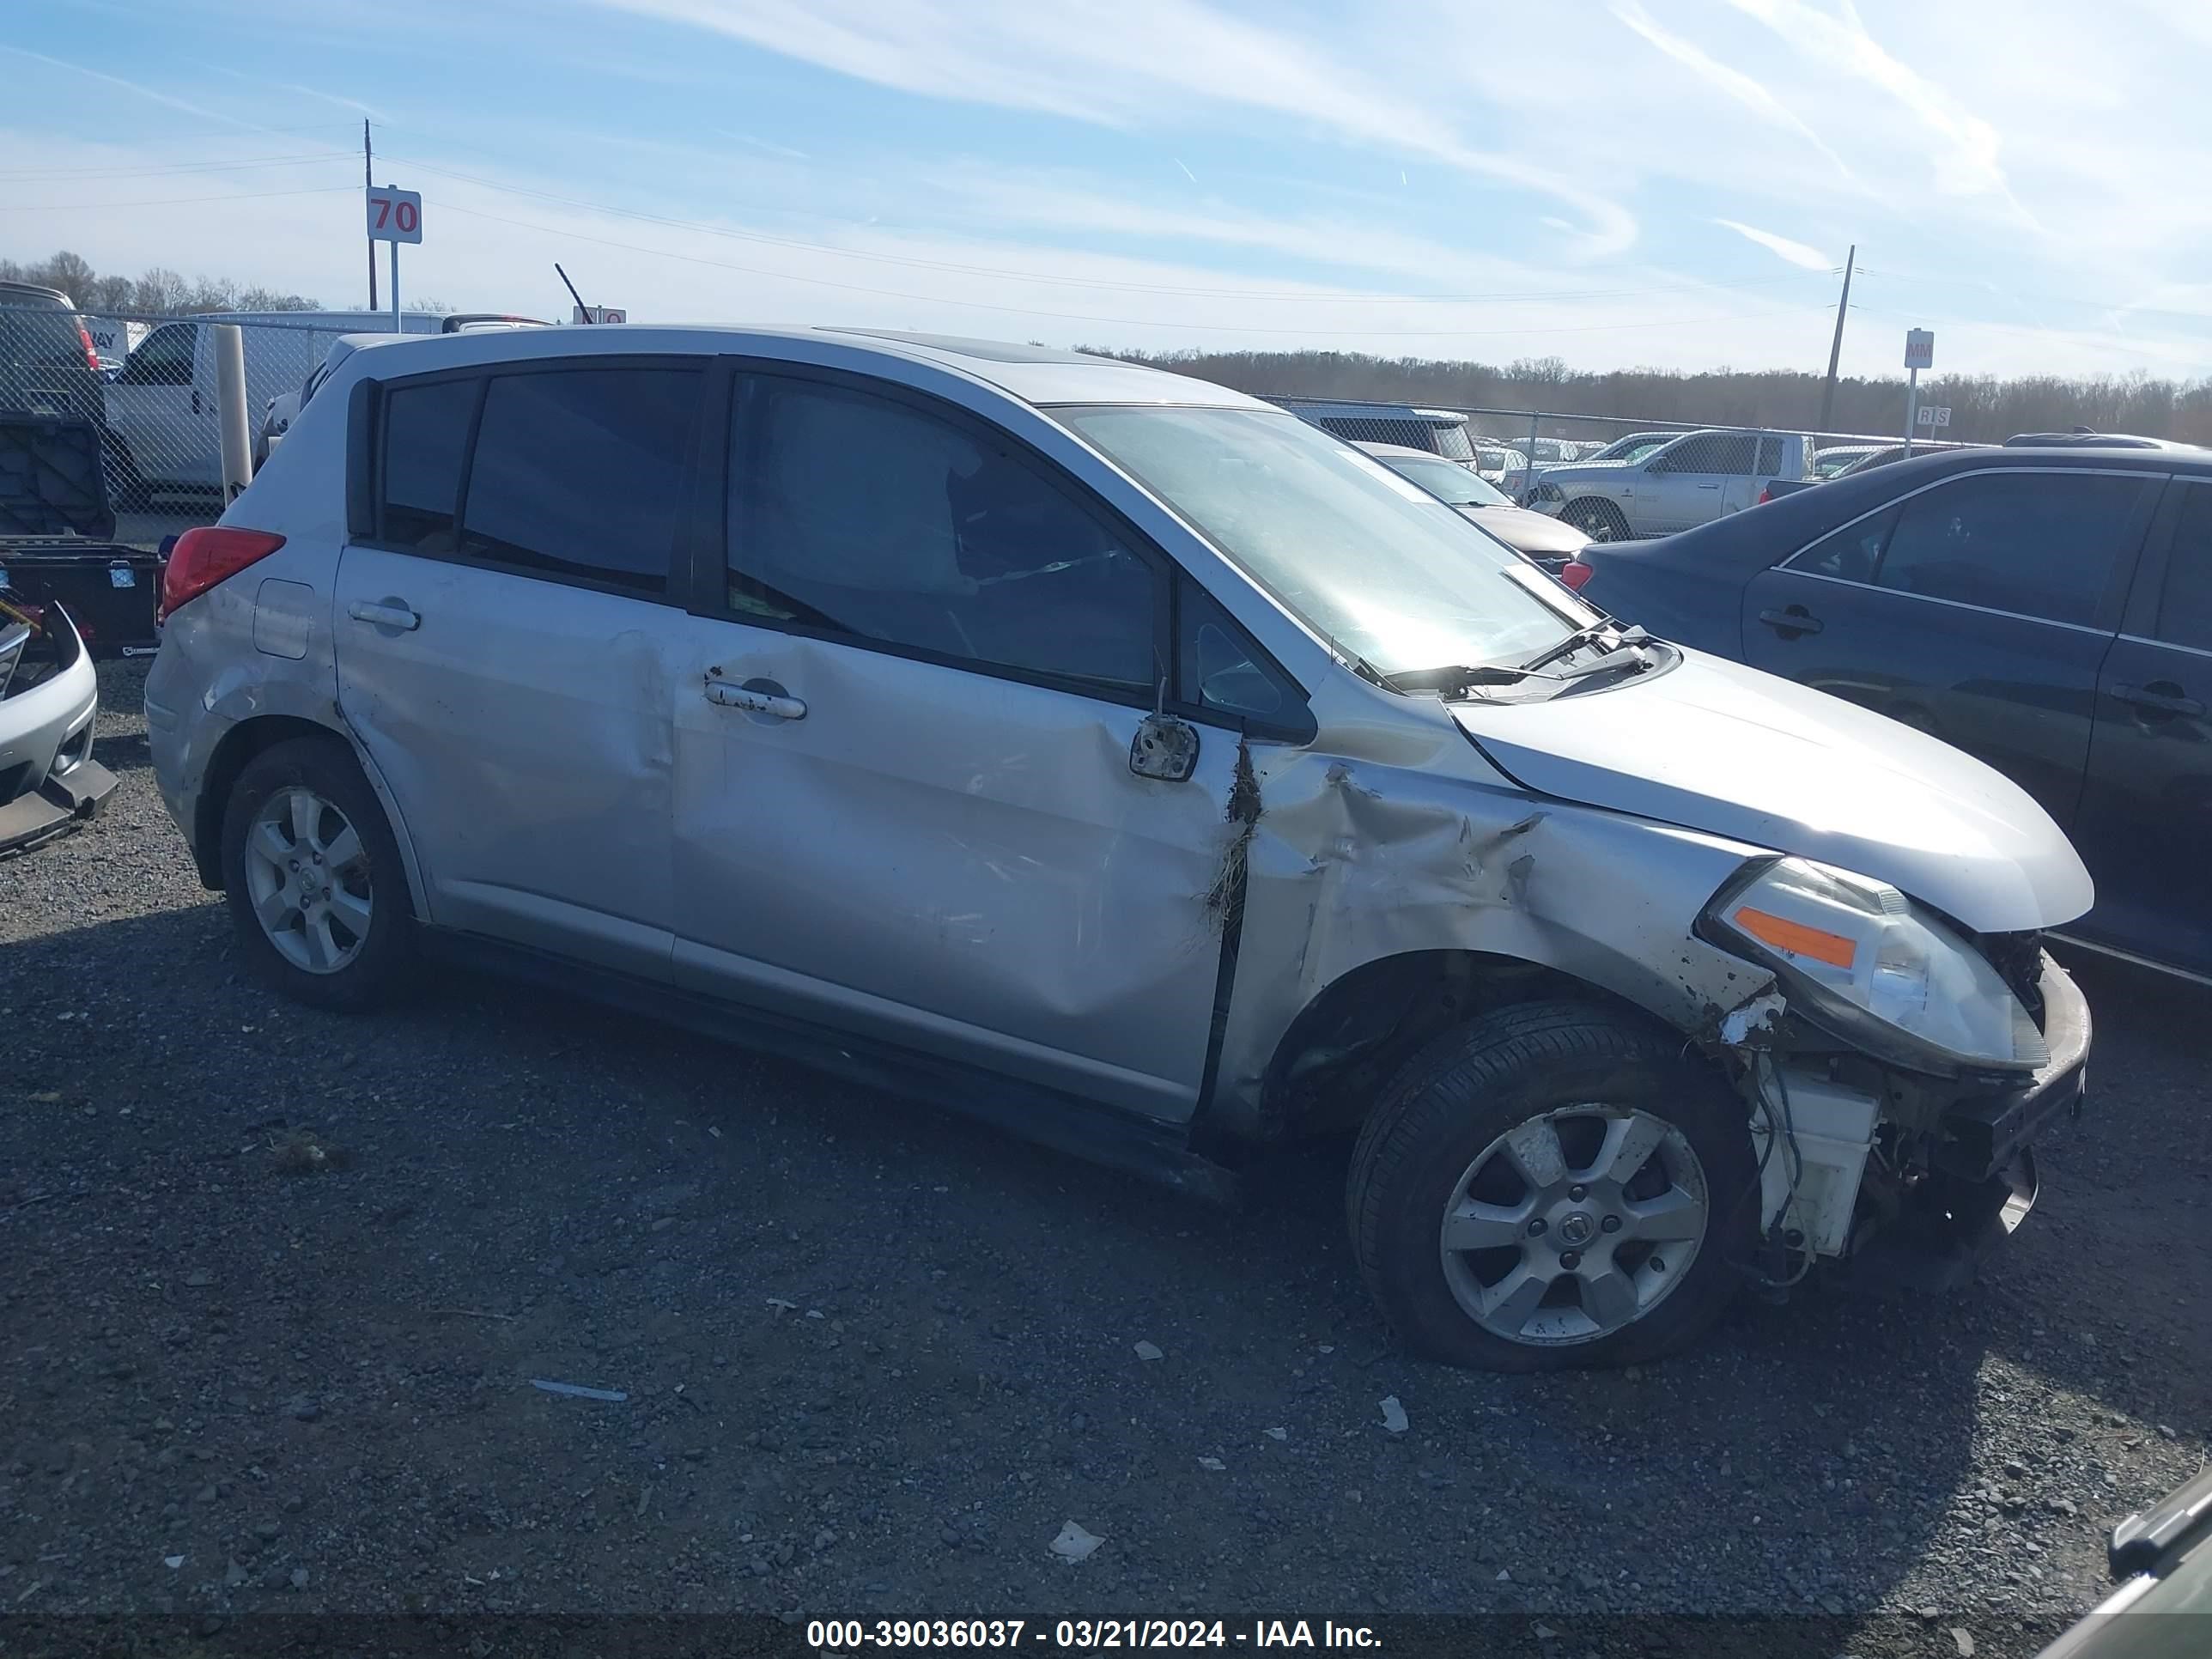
column 1796, row 936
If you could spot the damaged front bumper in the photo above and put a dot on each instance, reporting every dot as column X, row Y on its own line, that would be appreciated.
column 48, row 779
column 1981, row 1179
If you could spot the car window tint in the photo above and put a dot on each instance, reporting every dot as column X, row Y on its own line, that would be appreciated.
column 580, row 472
column 1770, row 457
column 853, row 512
column 426, row 437
column 163, row 357
column 1849, row 554
column 2038, row 543
column 1219, row 672
column 2185, row 608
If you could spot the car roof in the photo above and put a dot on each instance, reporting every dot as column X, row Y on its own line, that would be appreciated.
column 1035, row 374
column 39, row 288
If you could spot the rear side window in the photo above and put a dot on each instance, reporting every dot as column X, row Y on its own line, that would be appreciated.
column 1729, row 452
column 2185, row 608
column 1770, row 457
column 1850, row 554
column 579, row 473
column 38, row 332
column 426, row 439
column 2036, row 543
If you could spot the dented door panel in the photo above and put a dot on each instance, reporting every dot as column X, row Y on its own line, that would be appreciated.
column 950, row 860
column 529, row 759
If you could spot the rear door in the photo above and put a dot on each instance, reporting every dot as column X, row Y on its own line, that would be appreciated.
column 2145, row 829
column 1979, row 609
column 502, row 634
column 156, row 408
column 1684, row 486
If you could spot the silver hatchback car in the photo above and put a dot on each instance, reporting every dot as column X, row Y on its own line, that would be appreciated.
column 1128, row 761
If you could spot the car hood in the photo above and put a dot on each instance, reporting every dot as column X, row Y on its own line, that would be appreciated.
column 1712, row 745
column 1525, row 531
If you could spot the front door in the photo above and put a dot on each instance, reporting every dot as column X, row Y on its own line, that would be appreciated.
column 1978, row 609
column 502, row 645
column 906, row 804
column 156, row 408
column 2146, row 820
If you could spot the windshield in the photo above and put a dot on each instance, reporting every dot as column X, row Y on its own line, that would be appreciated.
column 1456, row 484
column 1357, row 552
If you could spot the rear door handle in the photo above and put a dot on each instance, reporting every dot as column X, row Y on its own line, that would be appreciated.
column 1792, row 621
column 391, row 614
column 2160, row 697
column 768, row 699
column 1710, row 486
column 196, row 400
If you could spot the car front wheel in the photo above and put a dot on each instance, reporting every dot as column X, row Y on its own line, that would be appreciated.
column 313, row 876
column 1552, row 1185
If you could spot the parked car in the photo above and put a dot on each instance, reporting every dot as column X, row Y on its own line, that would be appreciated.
column 2081, row 437
column 162, row 408
column 1691, row 479
column 49, row 699
column 2162, row 1557
column 47, row 364
column 1834, row 459
column 1442, row 431
column 2048, row 610
column 1505, row 469
column 1633, row 448
column 1547, row 541
column 1126, row 761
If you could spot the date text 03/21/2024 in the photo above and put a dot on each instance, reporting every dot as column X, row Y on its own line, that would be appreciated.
column 854, row 1635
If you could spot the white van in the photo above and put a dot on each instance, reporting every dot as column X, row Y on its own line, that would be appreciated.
column 162, row 408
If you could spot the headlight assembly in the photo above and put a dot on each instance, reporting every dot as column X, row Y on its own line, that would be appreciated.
column 1869, row 966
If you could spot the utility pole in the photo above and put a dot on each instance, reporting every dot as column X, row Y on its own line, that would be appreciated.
column 1836, row 346
column 369, row 179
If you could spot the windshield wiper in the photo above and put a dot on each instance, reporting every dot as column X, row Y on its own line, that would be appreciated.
column 1454, row 676
column 1594, row 634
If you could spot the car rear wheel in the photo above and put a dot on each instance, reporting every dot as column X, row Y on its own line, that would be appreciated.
column 314, row 878
column 1601, row 521
column 1553, row 1185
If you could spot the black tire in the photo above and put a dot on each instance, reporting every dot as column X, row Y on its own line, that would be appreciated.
column 1599, row 521
column 1448, row 1105
column 378, row 965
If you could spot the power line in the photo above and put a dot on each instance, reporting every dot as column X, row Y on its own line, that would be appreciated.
column 1337, row 297
column 167, row 201
column 35, row 176
column 1080, row 317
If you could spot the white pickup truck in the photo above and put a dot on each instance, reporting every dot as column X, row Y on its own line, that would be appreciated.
column 1685, row 482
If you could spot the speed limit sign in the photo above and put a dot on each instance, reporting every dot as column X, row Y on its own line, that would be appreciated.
column 394, row 215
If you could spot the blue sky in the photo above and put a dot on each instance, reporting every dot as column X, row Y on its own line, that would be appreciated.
column 1613, row 182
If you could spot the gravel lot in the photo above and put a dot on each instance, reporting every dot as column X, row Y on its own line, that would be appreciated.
column 876, row 1358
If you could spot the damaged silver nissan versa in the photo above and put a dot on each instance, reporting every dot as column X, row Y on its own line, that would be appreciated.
column 1135, row 764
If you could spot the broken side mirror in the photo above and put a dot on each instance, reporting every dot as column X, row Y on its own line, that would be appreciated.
column 1164, row 747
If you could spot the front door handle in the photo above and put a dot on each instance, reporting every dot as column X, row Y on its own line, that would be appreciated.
column 1794, row 621
column 757, row 697
column 1710, row 486
column 393, row 613
column 2161, row 697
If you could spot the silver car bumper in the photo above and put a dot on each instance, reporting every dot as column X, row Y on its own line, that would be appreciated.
column 48, row 779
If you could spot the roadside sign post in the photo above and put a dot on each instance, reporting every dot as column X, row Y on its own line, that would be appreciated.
column 395, row 216
column 600, row 314
column 1919, row 354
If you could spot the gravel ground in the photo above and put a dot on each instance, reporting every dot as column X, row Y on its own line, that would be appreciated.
column 875, row 1357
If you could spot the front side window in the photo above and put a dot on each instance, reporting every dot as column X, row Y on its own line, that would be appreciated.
column 2036, row 543
column 163, row 358
column 580, row 472
column 873, row 518
column 1359, row 553
column 1770, row 457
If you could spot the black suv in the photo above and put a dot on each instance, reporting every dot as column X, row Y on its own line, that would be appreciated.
column 47, row 365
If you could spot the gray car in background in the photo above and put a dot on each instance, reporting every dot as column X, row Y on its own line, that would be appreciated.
column 1121, row 759
column 1691, row 479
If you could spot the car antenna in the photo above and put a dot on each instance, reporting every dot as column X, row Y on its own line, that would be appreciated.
column 583, row 311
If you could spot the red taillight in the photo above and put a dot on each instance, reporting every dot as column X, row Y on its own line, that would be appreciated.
column 207, row 555
column 91, row 351
column 1574, row 573
column 1766, row 495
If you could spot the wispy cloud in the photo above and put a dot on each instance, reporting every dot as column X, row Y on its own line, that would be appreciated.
column 761, row 144
column 1798, row 253
column 1966, row 160
column 1733, row 82
column 1127, row 63
column 161, row 98
column 353, row 104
